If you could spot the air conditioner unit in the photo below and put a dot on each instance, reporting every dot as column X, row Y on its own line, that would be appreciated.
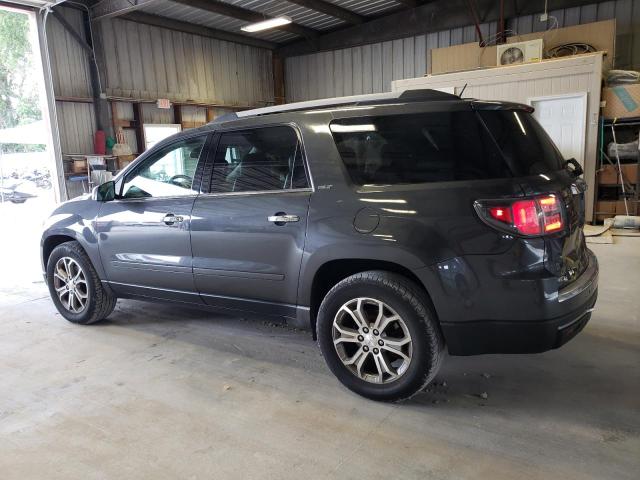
column 521, row 52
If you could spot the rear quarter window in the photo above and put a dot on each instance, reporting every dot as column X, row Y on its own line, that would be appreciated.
column 522, row 141
column 418, row 148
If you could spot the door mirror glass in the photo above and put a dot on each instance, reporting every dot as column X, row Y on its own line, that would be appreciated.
column 105, row 192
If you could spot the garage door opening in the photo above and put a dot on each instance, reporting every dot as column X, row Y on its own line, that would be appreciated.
column 27, row 168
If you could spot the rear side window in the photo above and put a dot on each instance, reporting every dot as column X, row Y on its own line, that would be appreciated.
column 417, row 148
column 259, row 159
column 523, row 142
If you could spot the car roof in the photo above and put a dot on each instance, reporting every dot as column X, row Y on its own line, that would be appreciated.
column 424, row 95
column 377, row 99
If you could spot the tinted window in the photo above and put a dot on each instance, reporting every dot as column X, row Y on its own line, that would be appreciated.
column 166, row 173
column 259, row 159
column 523, row 142
column 429, row 147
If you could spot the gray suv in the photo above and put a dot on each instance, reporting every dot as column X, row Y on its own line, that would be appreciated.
column 393, row 226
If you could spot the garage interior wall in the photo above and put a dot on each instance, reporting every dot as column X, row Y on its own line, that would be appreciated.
column 144, row 63
column 371, row 68
column 71, row 81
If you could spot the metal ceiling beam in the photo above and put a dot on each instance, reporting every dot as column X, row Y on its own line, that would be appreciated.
column 229, row 10
column 426, row 18
column 332, row 10
column 177, row 25
column 115, row 8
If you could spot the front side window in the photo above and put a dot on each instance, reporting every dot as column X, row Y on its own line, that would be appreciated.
column 260, row 159
column 166, row 173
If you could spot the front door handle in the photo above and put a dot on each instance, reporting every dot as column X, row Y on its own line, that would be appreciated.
column 170, row 219
column 281, row 218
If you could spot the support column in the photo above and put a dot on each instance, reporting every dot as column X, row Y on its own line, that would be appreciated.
column 48, row 105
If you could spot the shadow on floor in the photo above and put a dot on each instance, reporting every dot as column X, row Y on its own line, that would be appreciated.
column 592, row 380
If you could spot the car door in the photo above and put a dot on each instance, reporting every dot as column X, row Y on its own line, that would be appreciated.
column 143, row 234
column 248, row 227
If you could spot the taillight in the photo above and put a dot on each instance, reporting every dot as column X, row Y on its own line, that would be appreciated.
column 531, row 216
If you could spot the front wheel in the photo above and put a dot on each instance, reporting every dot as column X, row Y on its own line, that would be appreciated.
column 379, row 336
column 74, row 285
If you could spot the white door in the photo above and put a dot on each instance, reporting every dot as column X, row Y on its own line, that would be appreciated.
column 565, row 120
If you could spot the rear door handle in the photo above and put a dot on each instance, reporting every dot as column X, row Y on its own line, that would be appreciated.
column 282, row 218
column 170, row 219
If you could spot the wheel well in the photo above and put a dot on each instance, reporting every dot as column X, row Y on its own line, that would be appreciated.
column 52, row 242
column 334, row 271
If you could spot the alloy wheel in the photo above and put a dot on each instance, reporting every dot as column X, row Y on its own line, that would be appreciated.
column 70, row 284
column 372, row 340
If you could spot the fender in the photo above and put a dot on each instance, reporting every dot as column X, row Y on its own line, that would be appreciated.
column 75, row 219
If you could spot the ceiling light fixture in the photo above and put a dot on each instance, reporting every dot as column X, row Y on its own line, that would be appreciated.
column 267, row 24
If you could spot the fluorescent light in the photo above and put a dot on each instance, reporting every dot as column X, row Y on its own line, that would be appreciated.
column 267, row 24
column 367, row 127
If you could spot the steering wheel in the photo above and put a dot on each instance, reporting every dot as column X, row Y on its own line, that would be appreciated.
column 183, row 181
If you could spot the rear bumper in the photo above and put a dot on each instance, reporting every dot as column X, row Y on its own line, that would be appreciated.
column 476, row 338
column 560, row 317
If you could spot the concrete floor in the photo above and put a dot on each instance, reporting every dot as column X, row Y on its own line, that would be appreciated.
column 161, row 393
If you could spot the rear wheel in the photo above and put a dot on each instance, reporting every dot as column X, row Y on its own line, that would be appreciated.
column 379, row 335
column 74, row 285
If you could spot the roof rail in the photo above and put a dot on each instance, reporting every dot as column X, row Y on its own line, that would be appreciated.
column 422, row 95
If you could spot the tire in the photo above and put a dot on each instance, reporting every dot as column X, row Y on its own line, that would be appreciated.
column 98, row 302
column 399, row 297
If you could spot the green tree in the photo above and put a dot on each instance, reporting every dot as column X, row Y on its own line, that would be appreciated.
column 19, row 103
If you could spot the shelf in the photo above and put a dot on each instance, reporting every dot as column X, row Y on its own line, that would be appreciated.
column 619, row 122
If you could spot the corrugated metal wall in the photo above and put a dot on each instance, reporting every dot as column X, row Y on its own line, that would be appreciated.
column 145, row 62
column 70, row 74
column 371, row 68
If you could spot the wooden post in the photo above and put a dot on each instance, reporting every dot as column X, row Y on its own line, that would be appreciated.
column 138, row 119
column 211, row 114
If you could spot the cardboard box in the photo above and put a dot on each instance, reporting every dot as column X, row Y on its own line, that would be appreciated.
column 608, row 174
column 620, row 210
column 79, row 165
column 606, row 207
column 124, row 160
column 622, row 101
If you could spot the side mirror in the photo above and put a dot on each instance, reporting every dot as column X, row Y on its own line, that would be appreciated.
column 574, row 167
column 105, row 192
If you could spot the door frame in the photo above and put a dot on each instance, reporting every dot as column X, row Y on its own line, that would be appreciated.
column 585, row 106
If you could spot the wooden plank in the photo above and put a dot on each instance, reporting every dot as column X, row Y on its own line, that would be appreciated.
column 137, row 118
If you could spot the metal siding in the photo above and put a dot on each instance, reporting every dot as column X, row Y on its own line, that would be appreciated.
column 76, row 122
column 410, row 57
column 152, row 114
column 146, row 62
column 69, row 61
